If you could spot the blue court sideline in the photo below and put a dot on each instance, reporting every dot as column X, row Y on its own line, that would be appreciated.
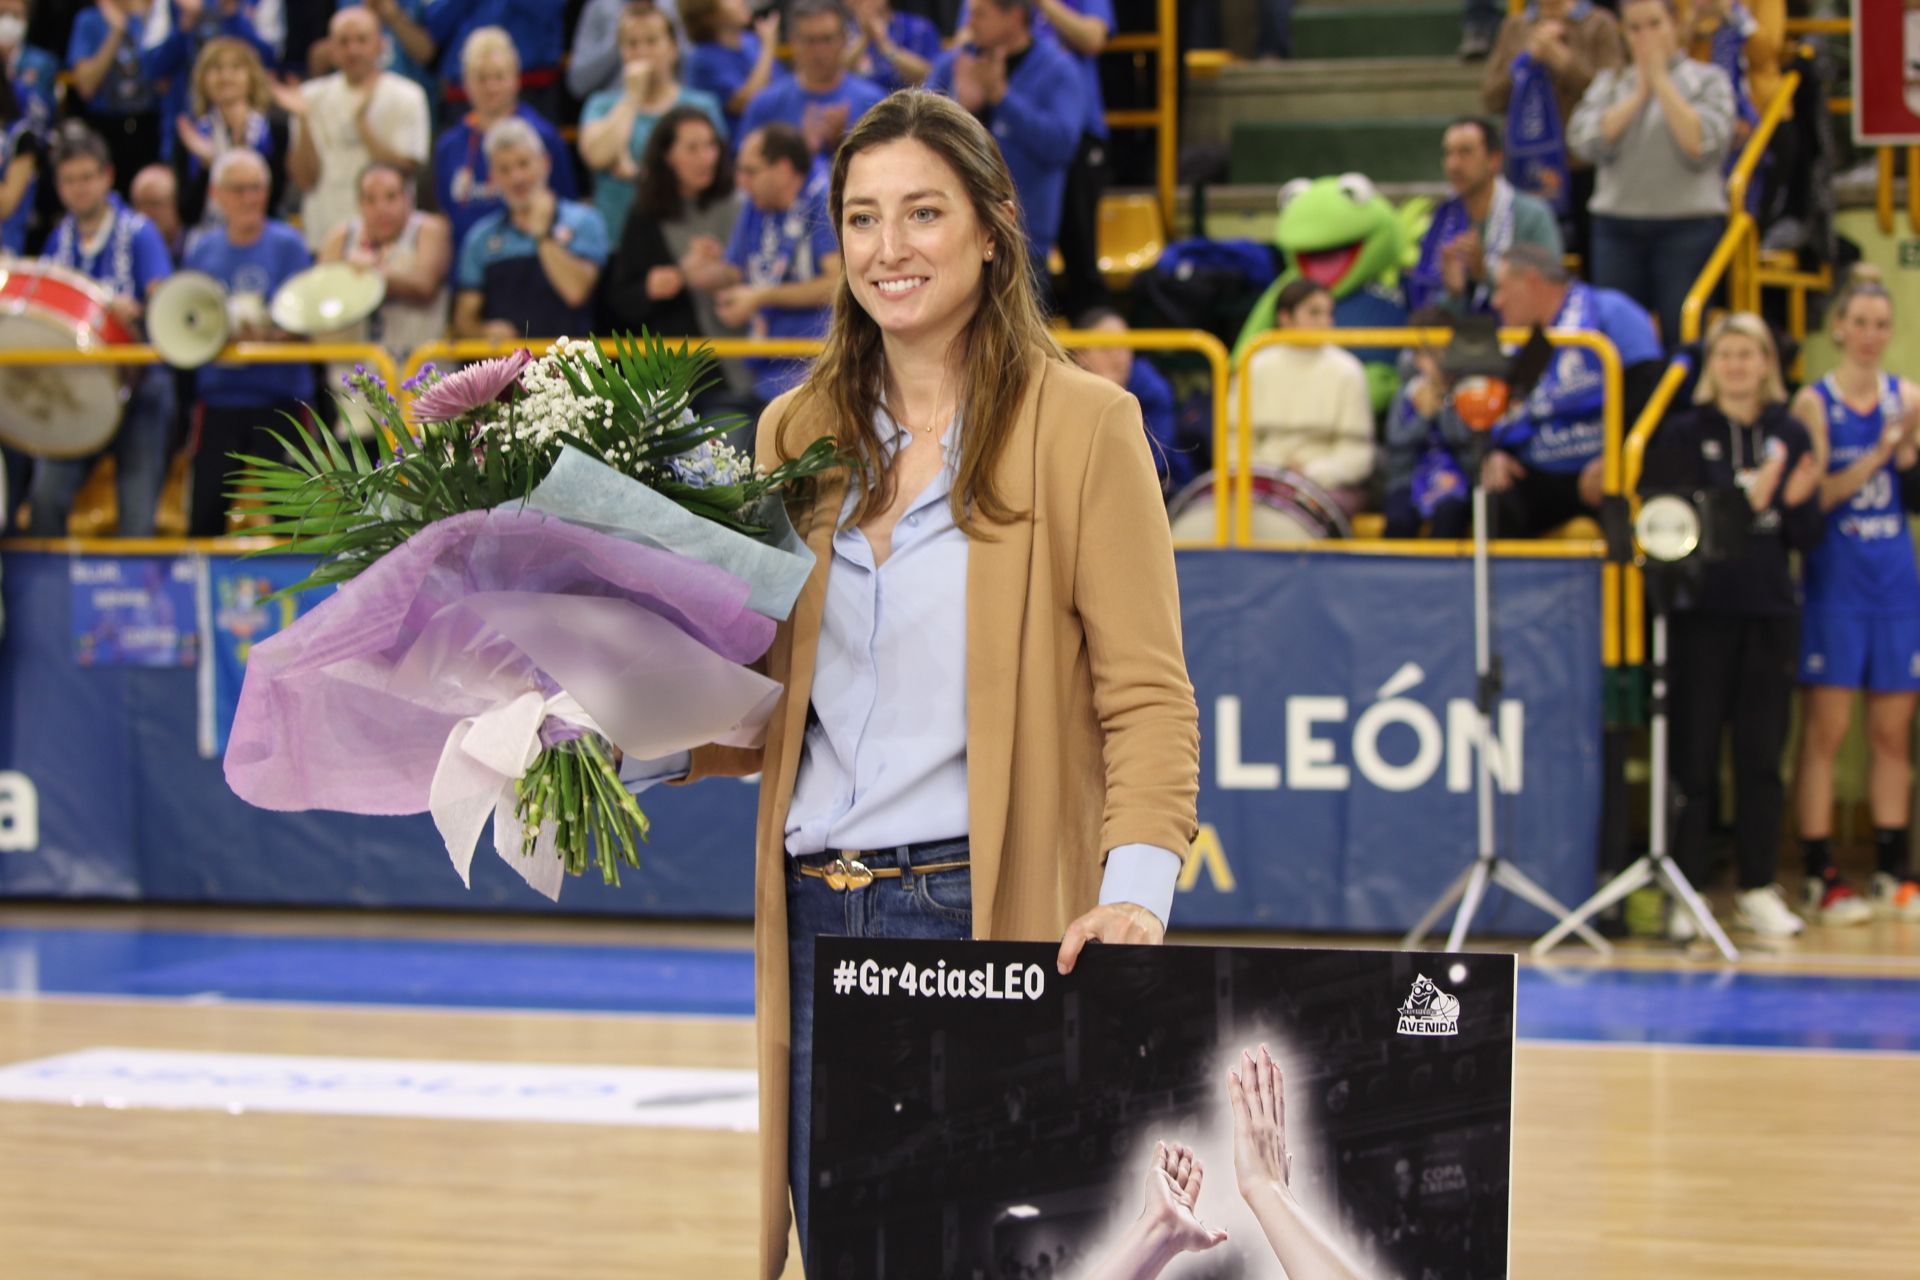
column 1630, row 1007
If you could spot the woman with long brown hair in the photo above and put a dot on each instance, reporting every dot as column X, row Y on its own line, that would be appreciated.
column 988, row 730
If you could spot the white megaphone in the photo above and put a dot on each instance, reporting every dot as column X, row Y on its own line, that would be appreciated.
column 187, row 319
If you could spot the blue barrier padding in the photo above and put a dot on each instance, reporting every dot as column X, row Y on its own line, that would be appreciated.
column 1335, row 697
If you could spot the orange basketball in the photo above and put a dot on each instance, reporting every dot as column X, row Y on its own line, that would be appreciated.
column 1481, row 401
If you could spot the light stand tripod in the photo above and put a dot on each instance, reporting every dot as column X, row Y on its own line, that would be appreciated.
column 1488, row 867
column 1657, row 864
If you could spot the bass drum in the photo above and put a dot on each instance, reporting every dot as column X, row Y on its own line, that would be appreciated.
column 1286, row 507
column 65, row 410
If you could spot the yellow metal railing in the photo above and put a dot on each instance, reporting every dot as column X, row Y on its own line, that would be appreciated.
column 1634, row 459
column 133, row 353
column 1218, row 363
column 1163, row 44
column 1737, row 257
column 1842, row 105
column 1819, row 26
column 245, row 353
column 1145, row 340
column 1732, row 248
column 1232, row 450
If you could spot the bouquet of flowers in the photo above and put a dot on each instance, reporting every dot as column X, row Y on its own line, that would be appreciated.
column 539, row 562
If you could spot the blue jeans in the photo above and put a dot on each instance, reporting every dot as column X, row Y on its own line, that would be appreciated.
column 913, row 906
column 1654, row 261
column 140, row 464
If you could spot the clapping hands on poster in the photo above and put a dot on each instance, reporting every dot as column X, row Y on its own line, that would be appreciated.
column 1083, row 1126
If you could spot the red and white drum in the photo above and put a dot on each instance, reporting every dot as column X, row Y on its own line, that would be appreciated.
column 57, row 410
column 1286, row 507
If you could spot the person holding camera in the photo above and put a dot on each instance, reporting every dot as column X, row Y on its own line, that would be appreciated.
column 1735, row 621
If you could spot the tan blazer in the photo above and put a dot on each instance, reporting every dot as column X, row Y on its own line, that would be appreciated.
column 1082, row 733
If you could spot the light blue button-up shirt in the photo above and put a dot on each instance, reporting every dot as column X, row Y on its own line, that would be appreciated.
column 885, row 758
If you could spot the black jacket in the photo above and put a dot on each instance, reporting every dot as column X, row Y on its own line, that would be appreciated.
column 1702, row 450
column 624, row 304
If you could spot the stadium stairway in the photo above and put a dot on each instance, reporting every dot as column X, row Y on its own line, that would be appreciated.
column 1370, row 88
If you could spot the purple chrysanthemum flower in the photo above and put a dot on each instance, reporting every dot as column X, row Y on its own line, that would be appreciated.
column 471, row 387
column 428, row 375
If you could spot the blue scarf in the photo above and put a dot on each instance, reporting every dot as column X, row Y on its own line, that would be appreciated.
column 1426, row 283
column 259, row 137
column 1729, row 53
column 112, row 265
column 1437, row 474
column 1536, row 135
column 1536, row 138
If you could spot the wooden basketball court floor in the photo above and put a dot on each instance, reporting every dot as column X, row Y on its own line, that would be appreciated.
column 1673, row 1118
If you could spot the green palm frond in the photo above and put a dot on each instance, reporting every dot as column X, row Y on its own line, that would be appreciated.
column 349, row 502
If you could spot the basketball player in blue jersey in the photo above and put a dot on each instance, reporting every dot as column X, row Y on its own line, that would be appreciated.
column 1860, row 627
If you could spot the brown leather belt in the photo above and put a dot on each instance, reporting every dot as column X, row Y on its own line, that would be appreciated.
column 847, row 871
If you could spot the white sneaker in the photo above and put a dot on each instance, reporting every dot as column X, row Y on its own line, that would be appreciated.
column 1681, row 927
column 1765, row 912
column 1831, row 901
column 1896, row 897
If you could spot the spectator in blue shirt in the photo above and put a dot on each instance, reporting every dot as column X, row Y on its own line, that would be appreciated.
column 1178, row 460
column 528, row 269
column 784, row 258
column 100, row 237
column 1082, row 28
column 116, row 75
column 252, row 255
column 894, row 50
column 1028, row 93
column 461, row 181
column 1545, row 466
column 22, row 153
column 616, row 123
column 197, row 24
column 726, row 59
column 32, row 71
column 822, row 98
column 534, row 27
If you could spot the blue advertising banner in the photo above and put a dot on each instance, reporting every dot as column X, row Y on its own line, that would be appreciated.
column 133, row 611
column 1338, row 756
column 104, row 795
column 236, row 614
column 1338, row 741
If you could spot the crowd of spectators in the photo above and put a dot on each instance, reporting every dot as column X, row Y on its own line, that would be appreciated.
column 655, row 164
column 1614, row 130
column 658, row 165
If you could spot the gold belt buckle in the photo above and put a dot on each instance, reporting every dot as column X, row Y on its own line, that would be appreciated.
column 848, row 873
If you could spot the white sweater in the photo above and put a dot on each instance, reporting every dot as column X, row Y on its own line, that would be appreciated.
column 1312, row 414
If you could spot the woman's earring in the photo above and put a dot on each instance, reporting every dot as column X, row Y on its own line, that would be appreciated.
column 989, row 255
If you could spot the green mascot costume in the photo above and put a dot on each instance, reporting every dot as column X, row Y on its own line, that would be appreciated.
column 1342, row 234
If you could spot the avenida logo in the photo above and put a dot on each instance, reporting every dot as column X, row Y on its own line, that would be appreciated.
column 1429, row 1011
